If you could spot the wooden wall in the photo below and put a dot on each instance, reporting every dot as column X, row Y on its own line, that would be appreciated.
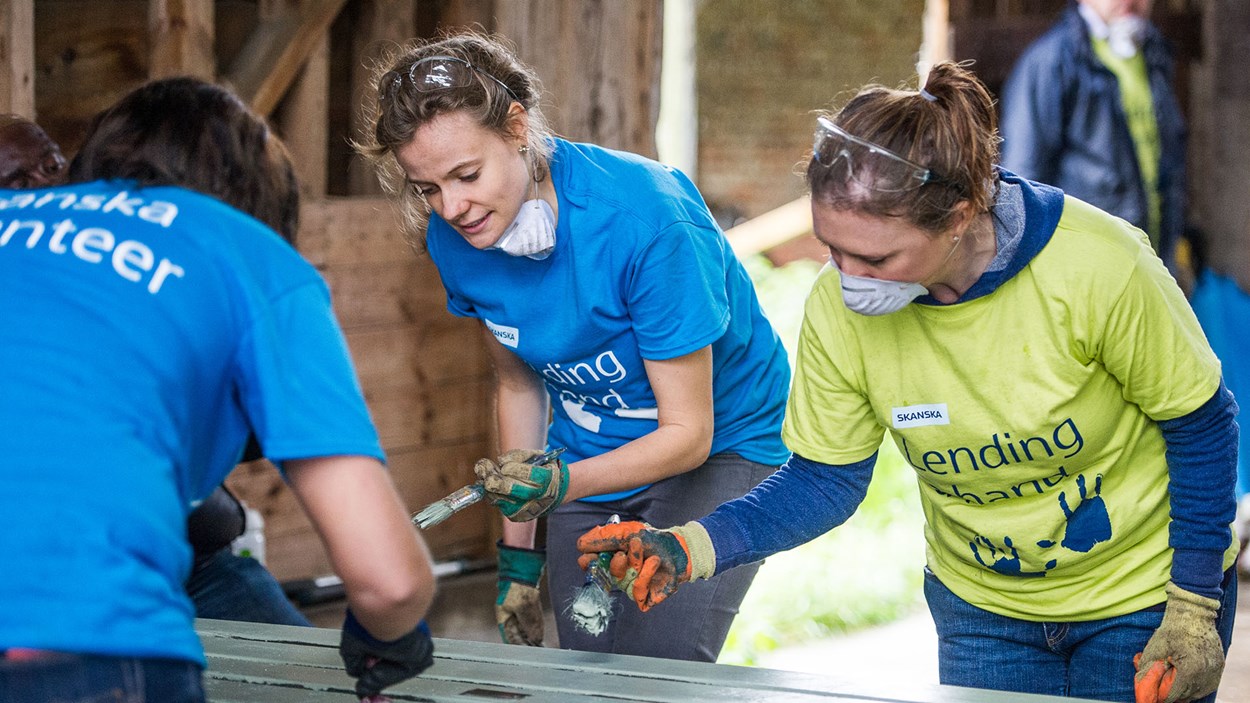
column 425, row 373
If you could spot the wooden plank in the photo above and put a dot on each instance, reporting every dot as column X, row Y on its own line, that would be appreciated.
column 303, row 121
column 338, row 231
column 773, row 228
column 180, row 38
column 17, row 56
column 599, row 61
column 381, row 25
column 272, row 57
column 276, row 656
column 404, row 291
column 444, row 348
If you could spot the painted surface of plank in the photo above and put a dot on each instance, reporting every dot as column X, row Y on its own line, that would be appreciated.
column 274, row 663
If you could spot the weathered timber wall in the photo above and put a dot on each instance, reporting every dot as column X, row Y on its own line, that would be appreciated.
column 424, row 373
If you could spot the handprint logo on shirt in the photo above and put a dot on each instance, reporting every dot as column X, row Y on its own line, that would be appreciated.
column 1088, row 523
column 1005, row 559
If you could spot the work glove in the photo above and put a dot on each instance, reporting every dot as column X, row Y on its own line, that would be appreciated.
column 522, row 490
column 1184, row 658
column 376, row 664
column 650, row 564
column 519, row 609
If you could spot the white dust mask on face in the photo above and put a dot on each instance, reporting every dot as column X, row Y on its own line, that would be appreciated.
column 875, row 296
column 533, row 233
column 1125, row 35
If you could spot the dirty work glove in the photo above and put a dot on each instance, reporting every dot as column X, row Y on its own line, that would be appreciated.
column 661, row 559
column 518, row 609
column 1184, row 658
column 376, row 664
column 523, row 491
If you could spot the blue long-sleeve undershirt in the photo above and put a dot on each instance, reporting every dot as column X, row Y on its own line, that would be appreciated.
column 804, row 499
column 1202, row 480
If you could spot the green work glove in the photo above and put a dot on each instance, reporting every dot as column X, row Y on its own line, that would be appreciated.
column 658, row 561
column 518, row 609
column 523, row 491
column 1188, row 647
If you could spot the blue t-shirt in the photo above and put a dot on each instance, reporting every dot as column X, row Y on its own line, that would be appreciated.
column 640, row 271
column 143, row 334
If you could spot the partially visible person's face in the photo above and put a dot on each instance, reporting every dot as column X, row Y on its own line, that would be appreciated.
column 885, row 248
column 1111, row 10
column 472, row 177
column 28, row 157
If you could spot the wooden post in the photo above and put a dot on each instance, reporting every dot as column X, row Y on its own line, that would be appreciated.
column 17, row 55
column 269, row 61
column 180, row 36
column 303, row 117
column 381, row 25
column 1220, row 114
column 599, row 61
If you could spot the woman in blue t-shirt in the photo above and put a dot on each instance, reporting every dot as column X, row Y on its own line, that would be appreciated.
column 621, row 326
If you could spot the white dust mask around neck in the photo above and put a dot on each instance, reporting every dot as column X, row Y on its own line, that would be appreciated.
column 1125, row 35
column 532, row 233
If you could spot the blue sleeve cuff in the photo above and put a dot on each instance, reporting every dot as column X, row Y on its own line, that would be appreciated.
column 801, row 501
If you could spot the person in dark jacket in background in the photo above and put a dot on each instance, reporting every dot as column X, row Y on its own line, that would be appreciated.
column 1089, row 108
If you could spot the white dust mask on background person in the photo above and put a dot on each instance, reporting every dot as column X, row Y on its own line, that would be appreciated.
column 1125, row 35
column 532, row 233
column 874, row 296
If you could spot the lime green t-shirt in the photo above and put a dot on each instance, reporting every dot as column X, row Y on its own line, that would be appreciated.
column 1143, row 126
column 1029, row 416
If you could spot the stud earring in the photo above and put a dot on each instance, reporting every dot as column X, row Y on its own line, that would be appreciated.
column 523, row 149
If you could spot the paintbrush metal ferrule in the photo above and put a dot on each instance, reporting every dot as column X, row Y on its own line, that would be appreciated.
column 456, row 501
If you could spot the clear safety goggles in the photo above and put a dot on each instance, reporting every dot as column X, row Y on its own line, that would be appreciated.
column 435, row 73
column 870, row 165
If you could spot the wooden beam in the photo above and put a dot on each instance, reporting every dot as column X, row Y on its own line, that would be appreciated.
column 181, row 35
column 380, row 25
column 303, row 121
column 17, row 56
column 273, row 56
column 773, row 228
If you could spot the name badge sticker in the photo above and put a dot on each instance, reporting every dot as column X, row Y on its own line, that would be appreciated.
column 507, row 336
column 920, row 416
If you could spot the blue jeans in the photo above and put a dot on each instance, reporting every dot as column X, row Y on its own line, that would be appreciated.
column 1094, row 659
column 692, row 623
column 228, row 587
column 73, row 678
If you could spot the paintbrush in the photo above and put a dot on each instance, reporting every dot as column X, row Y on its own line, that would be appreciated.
column 591, row 607
column 462, row 498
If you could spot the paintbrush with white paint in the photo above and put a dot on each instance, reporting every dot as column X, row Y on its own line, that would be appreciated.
column 462, row 498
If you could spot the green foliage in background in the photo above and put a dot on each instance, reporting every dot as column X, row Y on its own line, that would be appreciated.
column 866, row 572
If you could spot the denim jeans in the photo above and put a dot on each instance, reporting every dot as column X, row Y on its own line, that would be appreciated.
column 691, row 624
column 1093, row 659
column 228, row 587
column 73, row 678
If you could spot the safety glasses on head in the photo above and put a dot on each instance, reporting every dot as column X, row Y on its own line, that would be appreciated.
column 434, row 73
column 870, row 165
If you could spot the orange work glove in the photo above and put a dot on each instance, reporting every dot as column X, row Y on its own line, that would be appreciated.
column 656, row 561
column 1184, row 658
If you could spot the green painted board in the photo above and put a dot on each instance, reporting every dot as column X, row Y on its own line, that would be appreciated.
column 254, row 663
